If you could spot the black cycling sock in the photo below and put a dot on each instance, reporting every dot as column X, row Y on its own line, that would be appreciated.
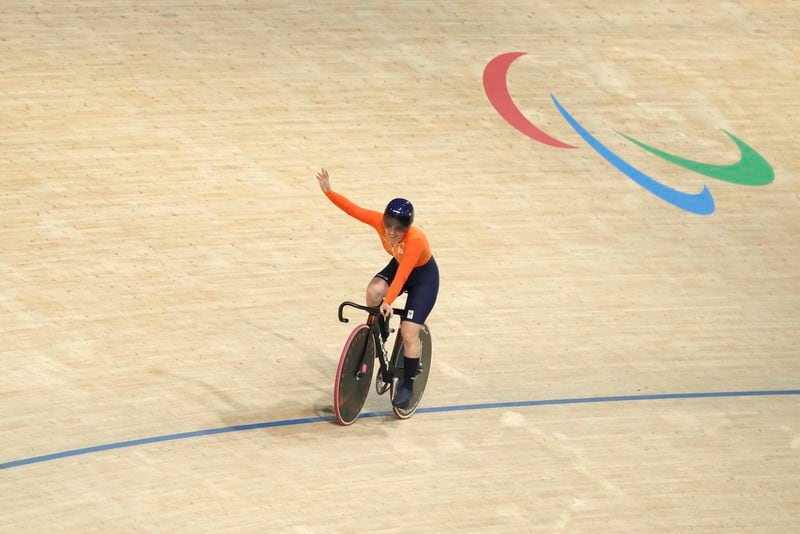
column 410, row 369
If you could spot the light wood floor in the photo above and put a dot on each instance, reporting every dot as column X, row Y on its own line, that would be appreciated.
column 169, row 265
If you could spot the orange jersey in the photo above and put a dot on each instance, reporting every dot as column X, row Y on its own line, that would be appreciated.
column 412, row 251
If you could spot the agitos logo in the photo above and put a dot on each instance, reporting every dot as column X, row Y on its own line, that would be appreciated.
column 752, row 169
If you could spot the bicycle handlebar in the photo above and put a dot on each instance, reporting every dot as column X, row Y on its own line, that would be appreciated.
column 368, row 309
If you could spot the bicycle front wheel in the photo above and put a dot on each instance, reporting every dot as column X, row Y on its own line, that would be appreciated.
column 354, row 375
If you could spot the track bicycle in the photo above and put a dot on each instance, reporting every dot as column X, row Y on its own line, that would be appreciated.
column 357, row 362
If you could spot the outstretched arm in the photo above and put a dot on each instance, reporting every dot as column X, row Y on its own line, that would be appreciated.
column 372, row 218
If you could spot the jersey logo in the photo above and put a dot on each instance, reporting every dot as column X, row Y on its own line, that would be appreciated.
column 398, row 250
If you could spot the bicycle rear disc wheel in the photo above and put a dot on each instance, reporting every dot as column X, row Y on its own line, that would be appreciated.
column 422, row 376
column 351, row 387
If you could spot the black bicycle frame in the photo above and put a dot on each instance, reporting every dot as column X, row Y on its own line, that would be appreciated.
column 375, row 332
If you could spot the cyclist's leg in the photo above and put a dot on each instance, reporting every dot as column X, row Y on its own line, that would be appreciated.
column 379, row 285
column 421, row 299
column 422, row 293
column 376, row 290
column 410, row 333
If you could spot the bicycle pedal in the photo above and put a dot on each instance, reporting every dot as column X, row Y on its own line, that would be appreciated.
column 381, row 385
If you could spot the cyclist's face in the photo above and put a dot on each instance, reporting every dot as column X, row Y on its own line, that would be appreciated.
column 394, row 231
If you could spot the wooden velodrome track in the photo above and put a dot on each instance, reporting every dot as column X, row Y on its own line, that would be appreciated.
column 170, row 267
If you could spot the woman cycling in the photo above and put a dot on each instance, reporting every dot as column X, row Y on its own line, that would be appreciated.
column 412, row 269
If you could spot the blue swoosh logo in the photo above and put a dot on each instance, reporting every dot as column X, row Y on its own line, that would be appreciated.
column 701, row 203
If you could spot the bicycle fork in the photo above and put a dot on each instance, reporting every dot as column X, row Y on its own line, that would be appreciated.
column 376, row 334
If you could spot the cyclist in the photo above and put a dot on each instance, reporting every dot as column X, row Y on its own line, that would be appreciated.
column 412, row 269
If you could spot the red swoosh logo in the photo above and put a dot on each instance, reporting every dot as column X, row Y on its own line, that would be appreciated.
column 496, row 87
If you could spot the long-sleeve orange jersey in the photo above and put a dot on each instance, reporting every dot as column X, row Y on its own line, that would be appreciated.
column 412, row 251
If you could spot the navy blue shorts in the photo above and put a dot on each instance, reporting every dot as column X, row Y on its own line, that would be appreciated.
column 422, row 287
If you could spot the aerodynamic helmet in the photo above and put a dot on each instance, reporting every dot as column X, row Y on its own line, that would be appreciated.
column 401, row 210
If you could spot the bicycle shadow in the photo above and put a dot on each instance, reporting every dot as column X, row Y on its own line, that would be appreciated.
column 373, row 410
column 241, row 413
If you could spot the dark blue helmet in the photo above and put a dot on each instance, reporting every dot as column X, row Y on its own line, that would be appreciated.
column 401, row 210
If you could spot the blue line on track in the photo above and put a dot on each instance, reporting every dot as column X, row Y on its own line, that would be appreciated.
column 434, row 409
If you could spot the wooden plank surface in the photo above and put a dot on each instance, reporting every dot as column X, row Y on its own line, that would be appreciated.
column 170, row 266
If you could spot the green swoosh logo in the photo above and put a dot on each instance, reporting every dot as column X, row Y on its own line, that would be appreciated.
column 752, row 169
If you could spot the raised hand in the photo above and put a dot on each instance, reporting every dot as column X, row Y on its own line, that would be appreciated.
column 324, row 181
